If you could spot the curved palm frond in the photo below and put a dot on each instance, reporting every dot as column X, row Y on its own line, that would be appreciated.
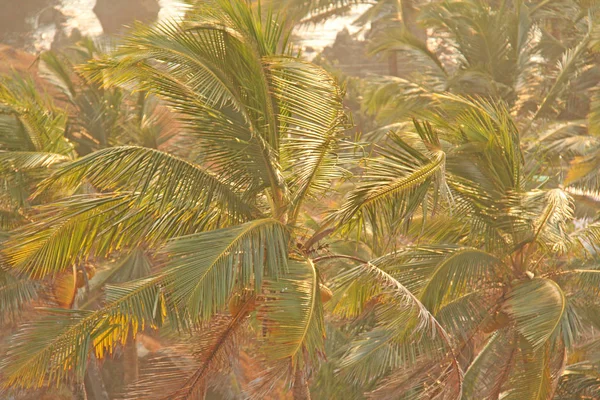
column 293, row 316
column 395, row 186
column 537, row 307
column 406, row 336
column 463, row 270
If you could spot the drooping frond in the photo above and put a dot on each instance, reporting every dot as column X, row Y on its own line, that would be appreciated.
column 149, row 173
column 396, row 185
column 230, row 256
column 205, row 268
column 87, row 226
column 38, row 359
column 489, row 370
column 67, row 231
column 465, row 269
column 406, row 336
column 293, row 316
column 534, row 373
column 537, row 307
column 184, row 376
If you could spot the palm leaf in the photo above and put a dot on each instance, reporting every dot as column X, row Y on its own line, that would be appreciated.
column 151, row 173
column 15, row 293
column 211, row 265
column 537, row 307
column 406, row 335
column 293, row 316
column 464, row 269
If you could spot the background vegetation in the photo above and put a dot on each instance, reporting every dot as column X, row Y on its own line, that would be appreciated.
column 198, row 212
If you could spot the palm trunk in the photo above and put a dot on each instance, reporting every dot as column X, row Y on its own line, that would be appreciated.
column 300, row 391
column 94, row 384
column 130, row 360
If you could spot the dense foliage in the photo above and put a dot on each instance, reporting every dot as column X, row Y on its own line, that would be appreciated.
column 198, row 186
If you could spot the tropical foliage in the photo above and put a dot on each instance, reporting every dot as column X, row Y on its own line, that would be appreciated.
column 196, row 184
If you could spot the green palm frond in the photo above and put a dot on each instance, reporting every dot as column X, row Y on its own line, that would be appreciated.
column 90, row 226
column 40, row 356
column 149, row 173
column 537, row 307
column 293, row 316
column 489, row 370
column 30, row 121
column 311, row 124
column 87, row 226
column 211, row 265
column 148, row 302
column 406, row 335
column 569, row 63
column 25, row 161
column 532, row 376
column 237, row 128
column 400, row 39
column 15, row 293
column 210, row 351
column 551, row 226
column 38, row 359
column 66, row 232
column 20, row 171
column 395, row 186
column 465, row 269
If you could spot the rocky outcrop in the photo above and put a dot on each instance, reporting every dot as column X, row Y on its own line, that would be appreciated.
column 114, row 14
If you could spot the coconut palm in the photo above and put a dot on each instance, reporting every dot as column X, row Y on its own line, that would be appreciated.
column 264, row 130
column 32, row 140
column 454, row 211
column 495, row 50
column 39, row 132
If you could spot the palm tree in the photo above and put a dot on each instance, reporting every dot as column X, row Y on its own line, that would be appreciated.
column 499, row 51
column 454, row 211
column 265, row 133
column 381, row 15
column 102, row 116
column 32, row 141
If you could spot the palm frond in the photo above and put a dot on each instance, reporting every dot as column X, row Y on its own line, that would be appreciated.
column 406, row 336
column 489, row 370
column 149, row 173
column 395, row 186
column 551, row 226
column 207, row 267
column 537, row 307
column 15, row 293
column 210, row 351
column 293, row 316
column 311, row 124
column 566, row 69
column 30, row 121
column 464, row 270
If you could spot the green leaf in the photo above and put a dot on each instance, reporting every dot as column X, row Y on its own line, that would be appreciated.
column 537, row 307
column 205, row 268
